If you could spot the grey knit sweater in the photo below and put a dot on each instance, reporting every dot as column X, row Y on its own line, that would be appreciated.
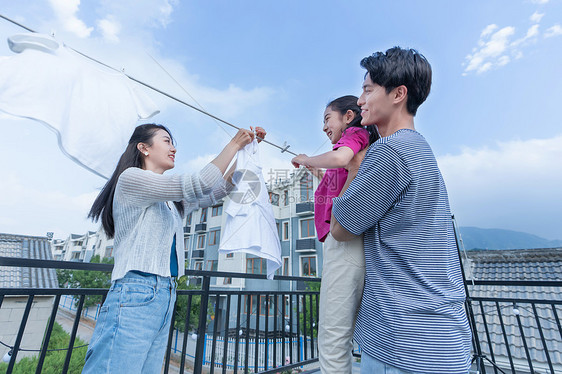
column 145, row 225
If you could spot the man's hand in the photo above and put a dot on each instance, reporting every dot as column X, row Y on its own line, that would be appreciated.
column 355, row 162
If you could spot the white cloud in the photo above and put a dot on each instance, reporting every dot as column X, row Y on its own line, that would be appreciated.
column 152, row 13
column 536, row 17
column 553, row 31
column 496, row 48
column 505, row 185
column 491, row 50
column 488, row 30
column 40, row 209
column 65, row 11
column 110, row 29
column 539, row 1
column 531, row 35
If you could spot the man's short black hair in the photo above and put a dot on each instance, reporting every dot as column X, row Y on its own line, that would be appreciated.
column 401, row 67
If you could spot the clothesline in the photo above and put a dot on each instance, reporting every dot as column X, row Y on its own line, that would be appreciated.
column 283, row 148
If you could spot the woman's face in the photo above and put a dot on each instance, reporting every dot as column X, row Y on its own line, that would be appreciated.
column 161, row 154
column 334, row 125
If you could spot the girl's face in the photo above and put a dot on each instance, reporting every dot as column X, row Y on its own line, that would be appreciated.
column 161, row 154
column 334, row 124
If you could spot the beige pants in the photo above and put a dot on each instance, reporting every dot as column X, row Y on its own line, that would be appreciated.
column 343, row 277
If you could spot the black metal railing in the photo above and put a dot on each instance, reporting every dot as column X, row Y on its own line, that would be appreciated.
column 516, row 326
column 240, row 331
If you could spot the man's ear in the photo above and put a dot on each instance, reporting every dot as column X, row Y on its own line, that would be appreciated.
column 400, row 94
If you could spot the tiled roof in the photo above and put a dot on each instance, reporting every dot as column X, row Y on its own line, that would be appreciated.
column 518, row 265
column 32, row 247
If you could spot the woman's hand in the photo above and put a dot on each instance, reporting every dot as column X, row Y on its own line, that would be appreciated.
column 242, row 138
column 260, row 133
column 299, row 160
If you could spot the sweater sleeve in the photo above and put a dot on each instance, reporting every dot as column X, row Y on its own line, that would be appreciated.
column 220, row 190
column 144, row 187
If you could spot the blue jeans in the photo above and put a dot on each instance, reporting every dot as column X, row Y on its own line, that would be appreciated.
column 370, row 365
column 133, row 325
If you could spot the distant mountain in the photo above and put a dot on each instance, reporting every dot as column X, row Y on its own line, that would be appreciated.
column 477, row 238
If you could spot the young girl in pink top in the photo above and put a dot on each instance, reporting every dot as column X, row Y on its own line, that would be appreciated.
column 343, row 267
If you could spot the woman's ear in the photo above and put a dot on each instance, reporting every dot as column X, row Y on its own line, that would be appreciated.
column 142, row 148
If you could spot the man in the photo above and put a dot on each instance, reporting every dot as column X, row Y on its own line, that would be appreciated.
column 412, row 316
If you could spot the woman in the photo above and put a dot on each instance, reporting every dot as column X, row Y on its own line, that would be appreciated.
column 135, row 209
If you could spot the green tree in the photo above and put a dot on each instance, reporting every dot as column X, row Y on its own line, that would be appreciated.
column 54, row 360
column 181, row 307
column 305, row 327
column 64, row 277
column 87, row 279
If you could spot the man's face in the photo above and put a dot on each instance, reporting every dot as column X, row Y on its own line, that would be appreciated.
column 375, row 103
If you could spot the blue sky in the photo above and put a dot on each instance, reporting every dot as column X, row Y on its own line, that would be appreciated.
column 492, row 116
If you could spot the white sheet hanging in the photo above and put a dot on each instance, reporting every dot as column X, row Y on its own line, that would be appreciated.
column 93, row 109
column 250, row 225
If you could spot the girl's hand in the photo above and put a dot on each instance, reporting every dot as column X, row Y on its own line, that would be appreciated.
column 299, row 160
column 260, row 133
column 242, row 138
column 317, row 172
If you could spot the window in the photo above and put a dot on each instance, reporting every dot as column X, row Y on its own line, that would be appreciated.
column 212, row 265
column 230, row 255
column 285, row 230
column 216, row 211
column 307, row 228
column 286, row 197
column 287, row 305
column 188, row 219
column 255, row 266
column 198, row 265
column 306, row 187
column 308, row 266
column 203, row 215
column 274, row 198
column 201, row 241
column 227, row 281
column 252, row 299
column 108, row 251
column 285, row 266
column 214, row 237
column 265, row 303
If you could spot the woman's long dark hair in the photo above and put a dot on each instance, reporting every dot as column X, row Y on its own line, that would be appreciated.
column 349, row 102
column 103, row 206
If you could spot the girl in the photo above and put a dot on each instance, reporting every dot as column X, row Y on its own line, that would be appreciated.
column 142, row 209
column 343, row 268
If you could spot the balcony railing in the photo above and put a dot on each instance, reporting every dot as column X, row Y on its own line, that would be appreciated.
column 198, row 253
column 239, row 331
column 516, row 334
column 305, row 208
column 201, row 227
column 306, row 245
column 510, row 334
